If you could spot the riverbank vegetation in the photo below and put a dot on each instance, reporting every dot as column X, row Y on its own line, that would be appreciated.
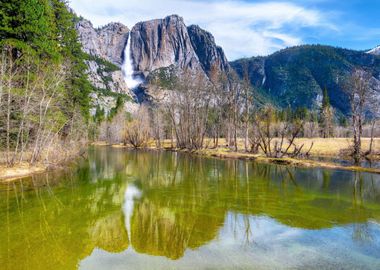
column 45, row 110
column 223, row 114
column 44, row 90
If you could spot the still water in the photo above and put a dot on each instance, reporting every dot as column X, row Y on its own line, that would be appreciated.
column 158, row 210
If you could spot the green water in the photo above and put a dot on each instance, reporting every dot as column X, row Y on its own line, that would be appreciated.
column 158, row 210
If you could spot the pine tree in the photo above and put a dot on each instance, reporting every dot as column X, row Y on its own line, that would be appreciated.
column 326, row 116
column 77, row 84
column 29, row 24
column 39, row 47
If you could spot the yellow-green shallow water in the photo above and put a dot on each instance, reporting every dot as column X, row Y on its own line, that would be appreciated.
column 123, row 209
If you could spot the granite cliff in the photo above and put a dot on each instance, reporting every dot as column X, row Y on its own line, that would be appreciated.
column 166, row 44
column 163, row 48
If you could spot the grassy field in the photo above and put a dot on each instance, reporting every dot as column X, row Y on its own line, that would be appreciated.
column 332, row 147
column 329, row 147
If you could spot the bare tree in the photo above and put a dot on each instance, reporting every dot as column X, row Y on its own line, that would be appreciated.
column 32, row 117
column 359, row 90
column 188, row 108
column 217, row 110
column 248, row 103
column 138, row 130
column 277, row 138
column 157, row 116
column 233, row 110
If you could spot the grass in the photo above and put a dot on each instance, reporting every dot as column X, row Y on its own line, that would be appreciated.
column 19, row 171
column 322, row 147
column 332, row 147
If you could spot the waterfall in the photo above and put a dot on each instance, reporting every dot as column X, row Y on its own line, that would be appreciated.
column 127, row 67
column 130, row 195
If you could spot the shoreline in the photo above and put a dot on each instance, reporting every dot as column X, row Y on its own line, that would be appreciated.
column 300, row 163
column 223, row 154
column 19, row 171
column 24, row 170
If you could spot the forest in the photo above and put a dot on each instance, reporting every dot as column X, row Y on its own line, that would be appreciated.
column 44, row 103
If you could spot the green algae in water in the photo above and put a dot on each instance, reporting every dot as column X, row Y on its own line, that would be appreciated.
column 157, row 210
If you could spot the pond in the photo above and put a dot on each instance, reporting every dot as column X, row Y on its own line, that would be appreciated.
column 123, row 209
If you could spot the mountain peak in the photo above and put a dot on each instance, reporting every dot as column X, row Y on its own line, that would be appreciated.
column 107, row 42
column 375, row 51
column 113, row 26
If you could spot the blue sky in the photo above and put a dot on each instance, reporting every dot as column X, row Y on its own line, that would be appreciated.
column 247, row 28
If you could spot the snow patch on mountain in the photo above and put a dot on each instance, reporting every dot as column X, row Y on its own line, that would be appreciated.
column 375, row 51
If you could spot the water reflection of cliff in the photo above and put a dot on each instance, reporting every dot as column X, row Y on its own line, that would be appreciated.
column 165, row 203
column 303, row 198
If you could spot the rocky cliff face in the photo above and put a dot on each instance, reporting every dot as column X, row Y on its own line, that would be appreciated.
column 105, row 47
column 166, row 44
column 210, row 55
column 107, row 42
column 161, row 43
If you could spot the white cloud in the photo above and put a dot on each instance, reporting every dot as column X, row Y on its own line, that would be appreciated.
column 241, row 28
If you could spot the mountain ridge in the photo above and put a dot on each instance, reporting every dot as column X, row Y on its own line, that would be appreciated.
column 294, row 76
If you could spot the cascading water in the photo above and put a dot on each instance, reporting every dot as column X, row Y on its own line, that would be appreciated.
column 127, row 67
column 131, row 193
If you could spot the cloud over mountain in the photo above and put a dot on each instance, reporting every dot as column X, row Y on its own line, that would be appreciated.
column 242, row 28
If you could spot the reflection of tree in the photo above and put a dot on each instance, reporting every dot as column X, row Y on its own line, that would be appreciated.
column 357, row 191
column 109, row 233
column 326, row 179
column 54, row 227
column 292, row 196
column 183, row 205
column 361, row 233
column 161, row 228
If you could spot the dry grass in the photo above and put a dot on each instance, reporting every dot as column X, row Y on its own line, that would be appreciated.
column 56, row 156
column 329, row 147
column 19, row 171
column 332, row 147
column 100, row 143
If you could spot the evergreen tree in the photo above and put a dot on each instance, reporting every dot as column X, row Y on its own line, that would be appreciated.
column 326, row 116
column 77, row 84
column 47, row 28
column 29, row 24
column 43, row 79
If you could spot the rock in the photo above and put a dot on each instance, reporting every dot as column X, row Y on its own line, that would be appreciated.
column 105, row 46
column 107, row 80
column 93, row 76
column 107, row 42
column 161, row 43
column 209, row 54
column 106, row 103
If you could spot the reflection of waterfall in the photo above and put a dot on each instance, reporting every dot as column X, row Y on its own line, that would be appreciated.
column 127, row 67
column 131, row 193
